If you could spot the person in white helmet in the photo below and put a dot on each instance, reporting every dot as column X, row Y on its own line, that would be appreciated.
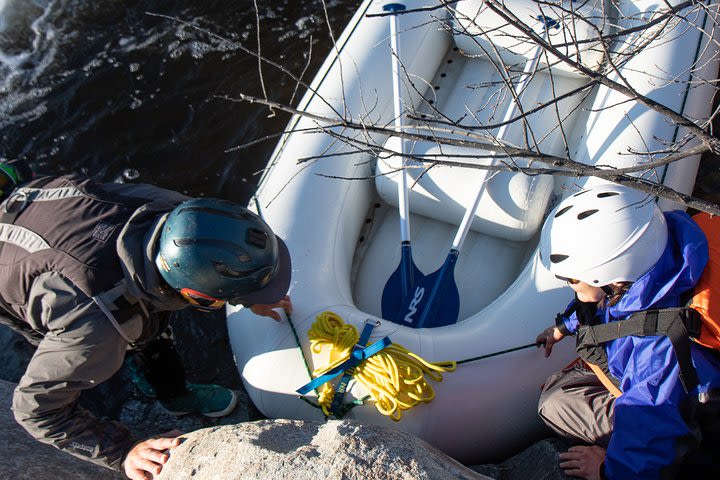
column 648, row 408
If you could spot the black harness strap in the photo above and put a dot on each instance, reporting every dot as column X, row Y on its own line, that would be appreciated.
column 678, row 324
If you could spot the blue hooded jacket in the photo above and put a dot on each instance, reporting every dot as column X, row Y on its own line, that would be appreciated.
column 650, row 434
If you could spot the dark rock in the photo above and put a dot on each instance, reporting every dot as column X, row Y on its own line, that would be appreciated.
column 15, row 353
column 24, row 458
column 146, row 417
column 538, row 462
column 109, row 398
column 202, row 340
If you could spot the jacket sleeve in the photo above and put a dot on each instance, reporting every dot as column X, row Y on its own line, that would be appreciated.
column 567, row 321
column 80, row 350
column 652, row 431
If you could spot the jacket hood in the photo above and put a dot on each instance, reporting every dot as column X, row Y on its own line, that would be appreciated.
column 137, row 247
column 677, row 271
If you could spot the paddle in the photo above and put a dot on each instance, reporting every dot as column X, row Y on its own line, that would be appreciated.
column 399, row 290
column 442, row 305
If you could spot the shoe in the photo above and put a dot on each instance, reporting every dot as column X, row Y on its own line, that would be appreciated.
column 138, row 378
column 209, row 400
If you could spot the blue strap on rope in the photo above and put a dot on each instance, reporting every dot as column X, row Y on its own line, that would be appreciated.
column 345, row 379
column 358, row 355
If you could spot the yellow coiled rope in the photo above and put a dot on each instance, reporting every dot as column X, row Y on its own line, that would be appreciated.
column 395, row 377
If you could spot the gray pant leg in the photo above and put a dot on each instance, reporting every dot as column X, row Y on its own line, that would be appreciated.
column 575, row 405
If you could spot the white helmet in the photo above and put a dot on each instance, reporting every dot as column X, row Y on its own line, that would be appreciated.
column 605, row 234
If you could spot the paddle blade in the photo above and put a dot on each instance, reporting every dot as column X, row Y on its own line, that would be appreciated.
column 440, row 301
column 400, row 288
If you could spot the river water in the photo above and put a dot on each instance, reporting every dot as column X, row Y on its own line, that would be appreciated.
column 114, row 90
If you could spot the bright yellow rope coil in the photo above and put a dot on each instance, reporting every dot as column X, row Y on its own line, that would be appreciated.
column 395, row 377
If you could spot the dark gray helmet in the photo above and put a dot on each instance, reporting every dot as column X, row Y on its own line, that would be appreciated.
column 212, row 249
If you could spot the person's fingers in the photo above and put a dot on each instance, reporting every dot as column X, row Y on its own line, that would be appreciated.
column 573, row 467
column 548, row 346
column 146, row 458
column 162, row 443
column 574, row 472
column 273, row 314
column 137, row 474
column 148, row 466
column 572, row 453
column 155, row 456
column 577, row 449
column 284, row 304
column 289, row 306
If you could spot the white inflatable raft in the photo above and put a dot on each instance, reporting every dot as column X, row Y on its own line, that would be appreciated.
column 343, row 234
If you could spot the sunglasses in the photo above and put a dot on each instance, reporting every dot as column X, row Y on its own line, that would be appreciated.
column 570, row 281
column 201, row 300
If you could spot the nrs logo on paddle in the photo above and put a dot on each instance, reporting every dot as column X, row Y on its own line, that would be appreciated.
column 412, row 308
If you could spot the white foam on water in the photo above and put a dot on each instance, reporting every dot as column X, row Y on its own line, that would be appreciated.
column 26, row 60
column 34, row 15
column 3, row 5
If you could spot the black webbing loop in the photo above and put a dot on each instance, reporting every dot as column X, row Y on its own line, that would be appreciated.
column 650, row 325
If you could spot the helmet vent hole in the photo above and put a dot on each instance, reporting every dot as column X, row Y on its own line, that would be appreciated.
column 580, row 193
column 217, row 211
column 607, row 194
column 257, row 238
column 563, row 211
column 586, row 214
column 556, row 258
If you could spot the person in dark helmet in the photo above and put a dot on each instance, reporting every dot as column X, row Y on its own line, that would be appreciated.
column 644, row 404
column 213, row 251
column 89, row 272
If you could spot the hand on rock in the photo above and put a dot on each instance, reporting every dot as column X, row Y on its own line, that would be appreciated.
column 549, row 337
column 146, row 458
column 268, row 310
column 583, row 462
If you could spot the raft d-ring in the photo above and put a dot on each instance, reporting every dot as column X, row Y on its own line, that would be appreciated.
column 375, row 323
column 365, row 336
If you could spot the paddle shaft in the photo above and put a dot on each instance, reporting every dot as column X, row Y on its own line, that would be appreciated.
column 403, row 206
column 407, row 267
column 444, row 280
column 464, row 227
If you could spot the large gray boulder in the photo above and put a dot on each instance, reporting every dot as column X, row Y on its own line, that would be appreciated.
column 24, row 458
column 309, row 450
